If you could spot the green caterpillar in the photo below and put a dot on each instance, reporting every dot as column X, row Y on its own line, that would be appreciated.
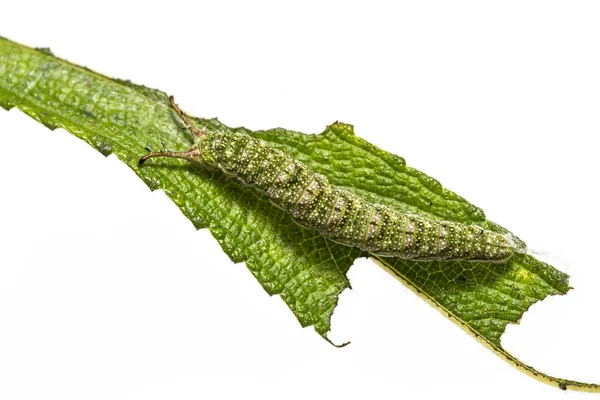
column 338, row 214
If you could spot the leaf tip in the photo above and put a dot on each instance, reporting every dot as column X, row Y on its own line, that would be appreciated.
column 338, row 346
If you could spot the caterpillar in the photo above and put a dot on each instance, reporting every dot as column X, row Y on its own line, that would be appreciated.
column 336, row 213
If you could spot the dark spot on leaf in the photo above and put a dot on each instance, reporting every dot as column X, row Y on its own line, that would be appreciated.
column 87, row 113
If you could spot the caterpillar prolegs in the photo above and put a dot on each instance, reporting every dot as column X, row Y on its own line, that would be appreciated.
column 336, row 213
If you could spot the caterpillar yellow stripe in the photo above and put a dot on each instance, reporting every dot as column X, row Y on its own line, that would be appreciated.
column 313, row 202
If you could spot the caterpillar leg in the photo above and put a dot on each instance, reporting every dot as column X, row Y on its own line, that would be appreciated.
column 188, row 124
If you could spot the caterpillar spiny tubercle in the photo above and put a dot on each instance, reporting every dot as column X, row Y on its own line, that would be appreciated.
column 338, row 214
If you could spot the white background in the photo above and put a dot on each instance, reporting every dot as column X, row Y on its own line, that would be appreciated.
column 107, row 291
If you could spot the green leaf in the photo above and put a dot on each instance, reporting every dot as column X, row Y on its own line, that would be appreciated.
column 307, row 270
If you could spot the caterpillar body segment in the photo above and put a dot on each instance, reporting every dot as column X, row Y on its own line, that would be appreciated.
column 313, row 202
